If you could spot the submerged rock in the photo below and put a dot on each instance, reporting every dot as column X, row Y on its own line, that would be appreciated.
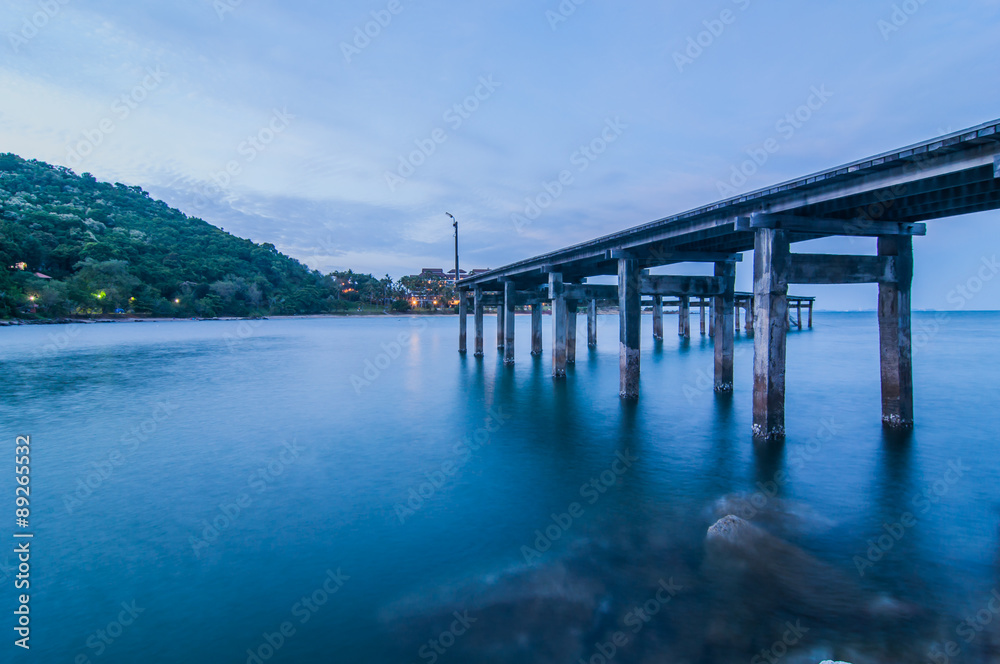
column 775, row 514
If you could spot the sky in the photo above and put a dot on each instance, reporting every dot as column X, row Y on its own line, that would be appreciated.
column 343, row 132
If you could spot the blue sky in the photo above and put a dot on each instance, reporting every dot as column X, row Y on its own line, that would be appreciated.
column 345, row 149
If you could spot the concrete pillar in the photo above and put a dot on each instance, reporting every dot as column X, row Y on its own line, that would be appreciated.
column 725, row 328
column 711, row 317
column 478, row 314
column 684, row 316
column 810, row 314
column 571, row 332
column 630, row 320
column 770, row 286
column 536, row 329
column 894, row 335
column 501, row 309
column 559, row 316
column 658, row 317
column 592, row 324
column 509, row 304
column 749, row 322
column 463, row 321
column 798, row 313
column 701, row 315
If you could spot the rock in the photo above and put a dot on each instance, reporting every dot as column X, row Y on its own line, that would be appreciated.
column 778, row 515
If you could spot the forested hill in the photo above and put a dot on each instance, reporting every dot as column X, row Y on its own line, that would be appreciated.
column 110, row 248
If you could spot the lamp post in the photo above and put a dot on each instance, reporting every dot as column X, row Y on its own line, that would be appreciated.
column 455, row 224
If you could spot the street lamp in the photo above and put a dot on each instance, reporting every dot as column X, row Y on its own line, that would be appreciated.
column 455, row 224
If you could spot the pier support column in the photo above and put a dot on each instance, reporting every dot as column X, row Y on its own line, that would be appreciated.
column 500, row 325
column 725, row 328
column 750, row 316
column 536, row 329
column 684, row 316
column 509, row 303
column 798, row 314
column 571, row 307
column 701, row 315
column 711, row 317
column 810, row 314
column 463, row 321
column 658, row 317
column 478, row 316
column 771, row 263
column 559, row 316
column 592, row 324
column 630, row 320
column 894, row 335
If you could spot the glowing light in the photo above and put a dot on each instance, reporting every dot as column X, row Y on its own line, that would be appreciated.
column 31, row 297
column 177, row 301
column 101, row 295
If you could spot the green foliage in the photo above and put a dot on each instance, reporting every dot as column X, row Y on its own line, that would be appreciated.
column 111, row 248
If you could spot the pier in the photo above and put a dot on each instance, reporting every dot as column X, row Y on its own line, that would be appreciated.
column 888, row 197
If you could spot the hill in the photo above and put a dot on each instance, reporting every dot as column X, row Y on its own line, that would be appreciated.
column 70, row 245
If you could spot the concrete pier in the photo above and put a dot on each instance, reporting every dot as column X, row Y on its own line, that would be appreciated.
column 571, row 306
column 509, row 306
column 630, row 319
column 478, row 319
column 894, row 334
column 725, row 331
column 658, row 317
column 536, row 329
column 684, row 317
column 770, row 272
column 463, row 321
column 889, row 196
column 501, row 309
column 560, row 314
column 592, row 324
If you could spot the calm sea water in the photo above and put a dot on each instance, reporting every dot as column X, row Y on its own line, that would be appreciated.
column 360, row 482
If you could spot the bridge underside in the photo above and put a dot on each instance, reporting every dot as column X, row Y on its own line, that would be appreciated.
column 887, row 197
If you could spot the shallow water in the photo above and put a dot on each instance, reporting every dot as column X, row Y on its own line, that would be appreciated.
column 217, row 473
